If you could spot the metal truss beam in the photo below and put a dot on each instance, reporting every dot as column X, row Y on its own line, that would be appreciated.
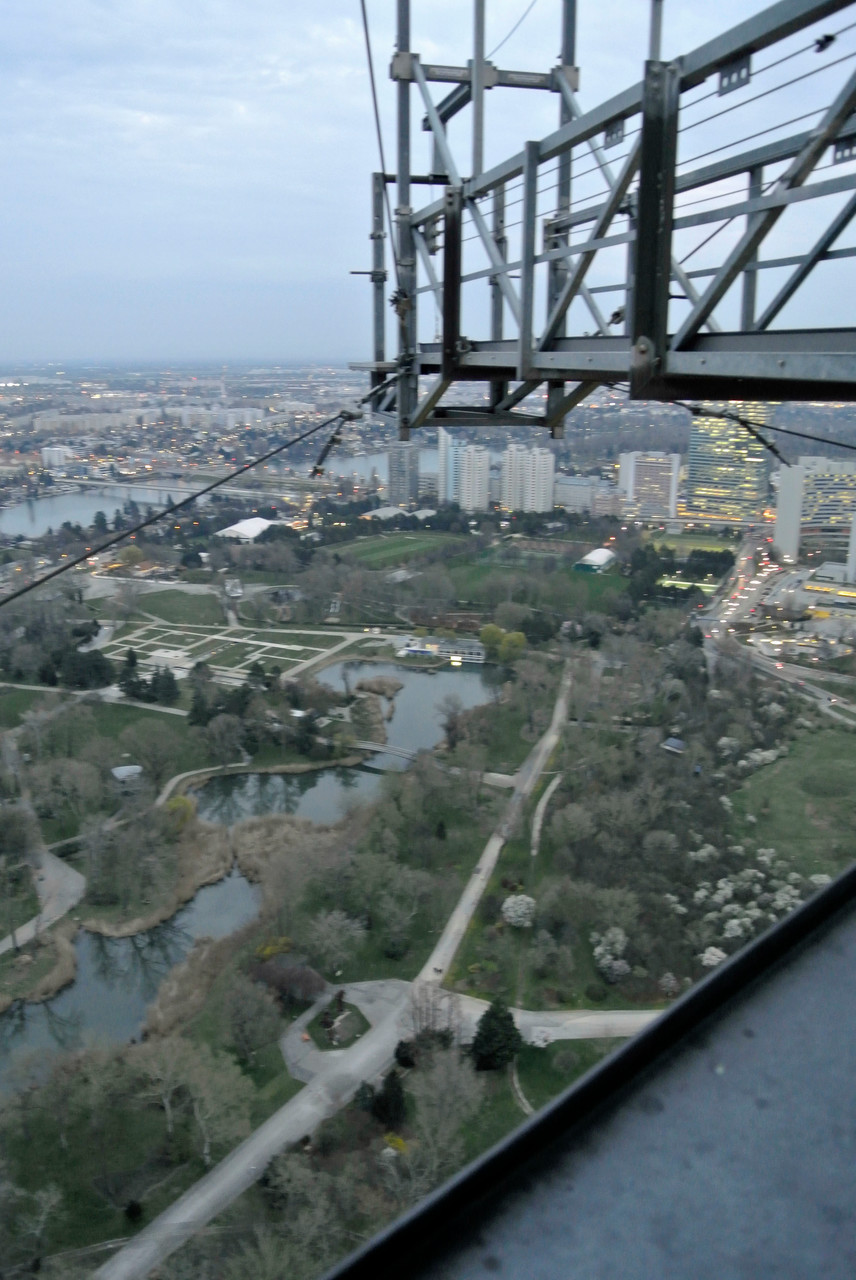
column 643, row 210
column 797, row 173
column 808, row 264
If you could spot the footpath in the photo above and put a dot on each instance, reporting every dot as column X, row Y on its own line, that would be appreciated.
column 332, row 1077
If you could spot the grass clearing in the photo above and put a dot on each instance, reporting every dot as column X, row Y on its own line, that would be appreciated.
column 384, row 551
column 17, row 978
column 14, row 702
column 688, row 542
column 183, row 606
column 544, row 1073
column 803, row 804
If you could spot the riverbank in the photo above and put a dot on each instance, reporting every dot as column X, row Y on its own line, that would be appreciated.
column 41, row 969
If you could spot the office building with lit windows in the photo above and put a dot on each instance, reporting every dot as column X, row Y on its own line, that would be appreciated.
column 728, row 469
column 649, row 482
column 815, row 494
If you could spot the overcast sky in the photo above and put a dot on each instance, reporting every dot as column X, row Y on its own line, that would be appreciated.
column 190, row 178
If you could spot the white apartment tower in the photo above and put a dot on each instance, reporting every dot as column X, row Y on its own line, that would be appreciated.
column 513, row 477
column 475, row 478
column 527, row 479
column 450, row 454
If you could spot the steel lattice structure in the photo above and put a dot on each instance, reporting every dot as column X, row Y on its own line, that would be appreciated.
column 553, row 321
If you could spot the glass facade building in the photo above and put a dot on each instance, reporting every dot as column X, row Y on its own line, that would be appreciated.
column 728, row 470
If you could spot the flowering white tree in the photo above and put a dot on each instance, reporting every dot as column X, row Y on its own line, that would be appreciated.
column 712, row 956
column 609, row 948
column 519, row 911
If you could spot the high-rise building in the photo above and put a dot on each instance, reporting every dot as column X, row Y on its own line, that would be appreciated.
column 650, row 484
column 450, row 453
column 475, row 478
column 513, row 476
column 527, row 479
column 815, row 493
column 403, row 474
column 728, row 468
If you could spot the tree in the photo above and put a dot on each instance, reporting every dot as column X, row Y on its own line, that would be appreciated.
column 163, row 1067
column 446, row 1095
column 388, row 1105
column 154, row 745
column 497, row 1040
column 253, row 1019
column 333, row 937
column 99, row 522
column 491, row 637
column 220, row 1098
column 512, row 645
column 164, row 687
column 199, row 713
column 450, row 709
column 224, row 735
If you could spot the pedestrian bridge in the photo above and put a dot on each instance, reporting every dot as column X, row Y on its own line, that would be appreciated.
column 385, row 749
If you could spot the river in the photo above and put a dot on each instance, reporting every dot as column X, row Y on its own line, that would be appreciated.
column 34, row 518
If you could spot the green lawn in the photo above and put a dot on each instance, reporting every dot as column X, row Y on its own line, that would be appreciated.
column 803, row 804
column 544, row 1073
column 564, row 589
column 14, row 702
column 182, row 606
column 386, row 551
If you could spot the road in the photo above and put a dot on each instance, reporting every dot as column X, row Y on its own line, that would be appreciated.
column 538, row 816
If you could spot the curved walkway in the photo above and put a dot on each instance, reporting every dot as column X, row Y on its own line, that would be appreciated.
column 437, row 965
column 332, row 1078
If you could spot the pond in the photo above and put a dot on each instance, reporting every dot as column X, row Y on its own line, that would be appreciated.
column 417, row 724
column 325, row 794
column 117, row 978
column 322, row 796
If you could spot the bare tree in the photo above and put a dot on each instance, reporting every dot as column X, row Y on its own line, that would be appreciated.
column 164, row 1067
column 434, row 1010
column 224, row 735
column 447, row 1094
column 333, row 937
column 220, row 1096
